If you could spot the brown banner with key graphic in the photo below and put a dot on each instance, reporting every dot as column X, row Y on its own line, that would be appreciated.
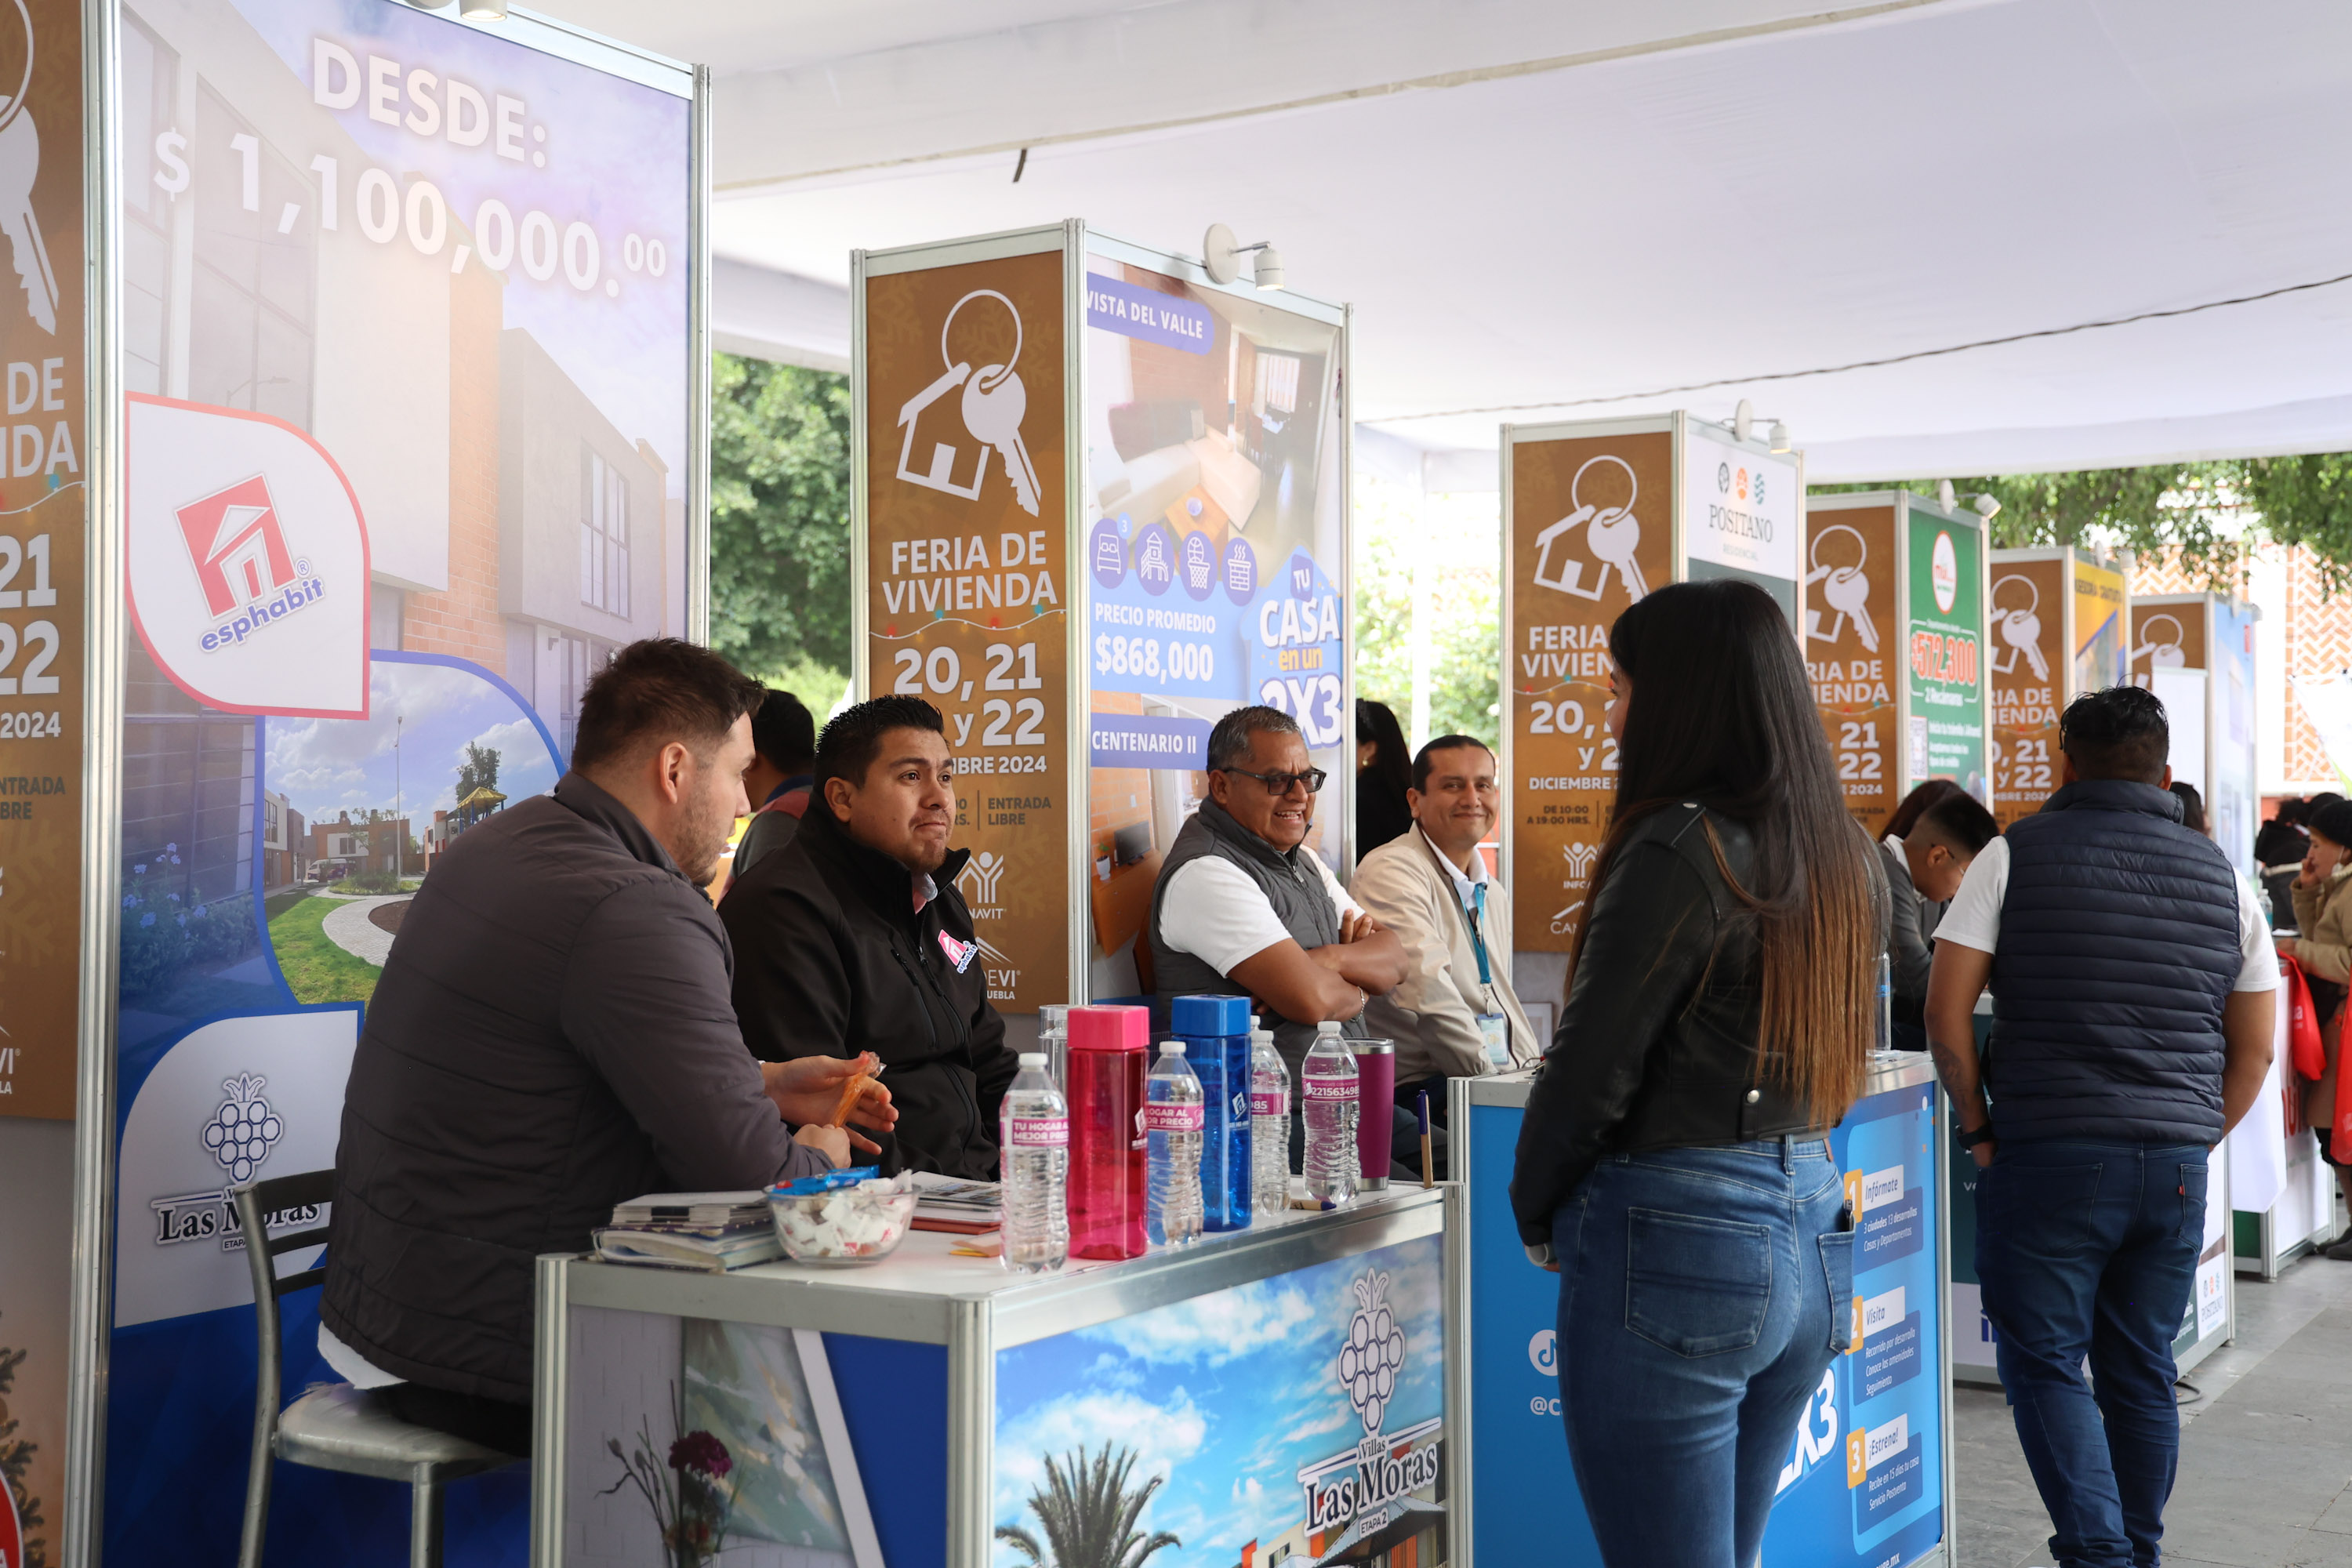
column 2166, row 636
column 41, row 542
column 2028, row 653
column 1591, row 531
column 1854, row 650
column 966, row 589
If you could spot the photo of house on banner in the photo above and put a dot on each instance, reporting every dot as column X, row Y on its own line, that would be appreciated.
column 356, row 811
column 1215, row 544
column 468, row 305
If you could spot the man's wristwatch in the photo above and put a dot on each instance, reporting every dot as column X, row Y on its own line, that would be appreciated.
column 1967, row 1140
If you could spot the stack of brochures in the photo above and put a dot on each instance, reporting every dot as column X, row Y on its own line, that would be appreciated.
column 708, row 1231
column 959, row 1208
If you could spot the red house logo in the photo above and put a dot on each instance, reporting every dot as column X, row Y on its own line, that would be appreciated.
column 237, row 544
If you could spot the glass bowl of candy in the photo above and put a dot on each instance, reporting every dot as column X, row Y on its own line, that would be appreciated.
column 842, row 1217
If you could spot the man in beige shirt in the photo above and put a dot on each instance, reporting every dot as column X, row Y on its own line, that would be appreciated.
column 1455, row 1014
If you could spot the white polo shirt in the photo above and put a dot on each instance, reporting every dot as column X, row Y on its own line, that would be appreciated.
column 1973, row 920
column 1213, row 910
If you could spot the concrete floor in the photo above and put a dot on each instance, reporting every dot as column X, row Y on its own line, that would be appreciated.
column 2265, row 1444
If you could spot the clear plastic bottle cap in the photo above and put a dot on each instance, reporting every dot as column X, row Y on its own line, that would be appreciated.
column 1172, row 1047
column 1261, row 1035
column 1328, row 1026
column 1033, row 1059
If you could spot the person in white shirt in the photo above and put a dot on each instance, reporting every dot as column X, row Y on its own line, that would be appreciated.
column 1242, row 906
column 1455, row 1014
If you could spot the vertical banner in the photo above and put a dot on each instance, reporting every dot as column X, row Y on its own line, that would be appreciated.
column 2234, row 792
column 1590, row 530
column 2168, row 634
column 1742, row 515
column 1215, row 548
column 407, row 347
column 2101, row 655
column 43, row 520
column 1852, row 615
column 1944, row 679
column 965, row 605
column 2029, row 671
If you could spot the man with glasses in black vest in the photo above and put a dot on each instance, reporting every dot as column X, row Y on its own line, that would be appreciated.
column 1243, row 905
column 2133, row 983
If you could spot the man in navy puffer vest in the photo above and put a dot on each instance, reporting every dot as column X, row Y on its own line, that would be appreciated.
column 2132, row 985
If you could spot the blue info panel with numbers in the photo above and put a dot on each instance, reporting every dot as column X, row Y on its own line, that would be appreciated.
column 1863, row 1483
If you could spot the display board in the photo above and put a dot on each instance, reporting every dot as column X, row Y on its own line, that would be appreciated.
column 1595, row 515
column 1895, row 635
column 1865, row 1476
column 1215, row 557
column 1128, row 521
column 965, row 593
column 411, row 446
column 2204, row 643
column 2057, row 621
column 44, row 511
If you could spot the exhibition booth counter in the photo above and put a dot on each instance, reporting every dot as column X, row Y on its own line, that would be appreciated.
column 1868, row 1478
column 1280, row 1392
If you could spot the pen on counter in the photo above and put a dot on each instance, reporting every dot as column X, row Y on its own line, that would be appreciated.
column 1421, row 1111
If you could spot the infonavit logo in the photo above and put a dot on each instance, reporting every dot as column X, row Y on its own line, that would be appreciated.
column 249, row 561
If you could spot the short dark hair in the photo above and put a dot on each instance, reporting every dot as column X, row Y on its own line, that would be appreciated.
column 2120, row 732
column 657, row 690
column 1915, row 805
column 1229, row 738
column 782, row 732
column 2192, row 806
column 2333, row 822
column 1443, row 743
column 853, row 737
column 1958, row 822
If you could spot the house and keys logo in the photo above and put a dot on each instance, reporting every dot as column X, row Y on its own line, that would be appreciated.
column 992, row 405
column 1612, row 533
column 1848, row 592
column 20, row 163
column 2021, row 628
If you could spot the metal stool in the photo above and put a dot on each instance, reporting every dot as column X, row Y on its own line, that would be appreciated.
column 334, row 1427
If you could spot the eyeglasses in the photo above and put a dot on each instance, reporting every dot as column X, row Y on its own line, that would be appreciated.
column 1280, row 784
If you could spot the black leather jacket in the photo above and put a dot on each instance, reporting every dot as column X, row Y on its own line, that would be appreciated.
column 1656, row 1047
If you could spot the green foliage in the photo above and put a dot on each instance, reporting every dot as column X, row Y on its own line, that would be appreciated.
column 2214, row 515
column 164, row 928
column 1088, row 1515
column 779, row 516
column 2307, row 501
column 1464, row 607
column 315, row 968
column 478, row 771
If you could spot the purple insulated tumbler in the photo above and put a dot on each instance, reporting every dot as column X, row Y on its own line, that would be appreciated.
column 1375, row 1109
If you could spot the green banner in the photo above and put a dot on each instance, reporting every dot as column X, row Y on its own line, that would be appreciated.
column 1944, row 670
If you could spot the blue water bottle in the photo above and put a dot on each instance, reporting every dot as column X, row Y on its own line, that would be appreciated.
column 1215, row 1032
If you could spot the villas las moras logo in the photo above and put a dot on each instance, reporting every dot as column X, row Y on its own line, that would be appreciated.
column 1360, row 1491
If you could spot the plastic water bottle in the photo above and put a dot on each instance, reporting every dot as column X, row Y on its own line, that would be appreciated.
column 1172, row 1117
column 1036, row 1170
column 1053, row 1039
column 1215, row 1034
column 1326, row 1094
column 1269, row 1127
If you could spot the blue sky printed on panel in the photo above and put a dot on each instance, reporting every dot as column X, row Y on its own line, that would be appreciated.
column 1229, row 1395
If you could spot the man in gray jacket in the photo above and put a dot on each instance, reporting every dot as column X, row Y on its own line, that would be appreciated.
column 552, row 1036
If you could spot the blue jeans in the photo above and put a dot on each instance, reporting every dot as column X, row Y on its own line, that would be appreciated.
column 1703, row 1293
column 2091, row 1250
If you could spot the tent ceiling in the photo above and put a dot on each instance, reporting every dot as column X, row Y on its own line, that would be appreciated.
column 1708, row 190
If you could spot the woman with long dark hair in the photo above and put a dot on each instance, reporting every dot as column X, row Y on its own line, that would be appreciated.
column 1673, row 1165
column 1383, row 773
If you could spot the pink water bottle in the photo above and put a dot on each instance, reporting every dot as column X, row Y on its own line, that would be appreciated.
column 1107, row 1134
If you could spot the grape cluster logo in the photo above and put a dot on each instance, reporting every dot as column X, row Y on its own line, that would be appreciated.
column 1361, row 1492
column 1374, row 1353
column 243, row 1129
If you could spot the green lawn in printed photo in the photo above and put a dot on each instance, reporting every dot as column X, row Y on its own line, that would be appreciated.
column 316, row 969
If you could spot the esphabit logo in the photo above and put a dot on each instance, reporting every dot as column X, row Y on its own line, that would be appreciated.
column 248, row 576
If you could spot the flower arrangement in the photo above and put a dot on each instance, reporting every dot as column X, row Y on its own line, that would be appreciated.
column 691, row 1497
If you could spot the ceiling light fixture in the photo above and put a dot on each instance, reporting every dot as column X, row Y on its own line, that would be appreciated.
column 1779, row 441
column 482, row 10
column 1221, row 258
column 1985, row 506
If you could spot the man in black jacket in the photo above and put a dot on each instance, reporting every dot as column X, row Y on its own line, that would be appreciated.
column 552, row 1036
column 852, row 938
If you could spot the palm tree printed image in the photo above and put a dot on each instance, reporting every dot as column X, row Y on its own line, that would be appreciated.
column 1088, row 1514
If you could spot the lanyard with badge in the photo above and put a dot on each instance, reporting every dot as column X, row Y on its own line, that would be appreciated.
column 1493, row 1028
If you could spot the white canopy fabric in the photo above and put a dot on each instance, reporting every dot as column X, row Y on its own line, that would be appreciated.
column 1540, row 208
